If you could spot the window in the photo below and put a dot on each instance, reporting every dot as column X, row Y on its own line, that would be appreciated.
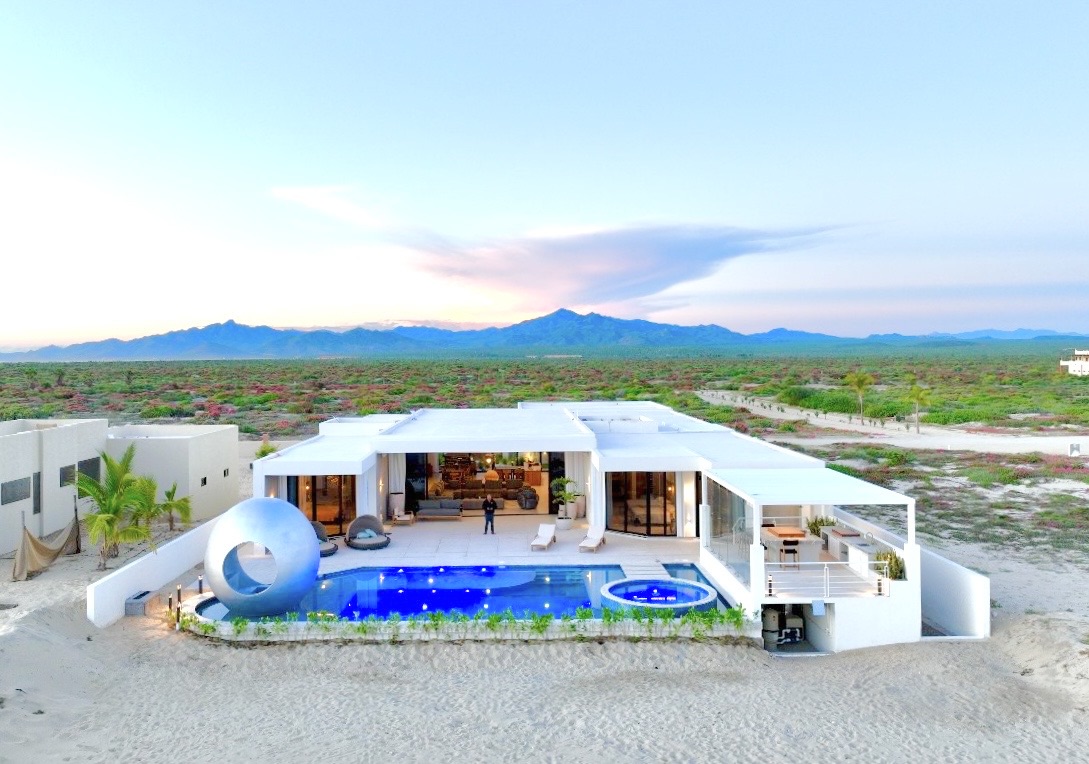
column 15, row 490
column 731, row 529
column 203, row 482
column 67, row 475
column 37, row 493
column 226, row 472
column 92, row 468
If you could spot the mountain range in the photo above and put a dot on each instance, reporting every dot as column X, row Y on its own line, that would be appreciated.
column 563, row 332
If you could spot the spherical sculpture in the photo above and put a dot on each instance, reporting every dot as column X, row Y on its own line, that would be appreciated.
column 285, row 532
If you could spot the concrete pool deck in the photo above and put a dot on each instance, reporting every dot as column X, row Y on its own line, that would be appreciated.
column 462, row 542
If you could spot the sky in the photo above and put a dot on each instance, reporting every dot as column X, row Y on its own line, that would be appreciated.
column 839, row 167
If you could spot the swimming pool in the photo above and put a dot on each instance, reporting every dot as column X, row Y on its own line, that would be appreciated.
column 559, row 590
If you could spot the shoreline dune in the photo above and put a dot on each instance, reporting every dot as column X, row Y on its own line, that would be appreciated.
column 138, row 692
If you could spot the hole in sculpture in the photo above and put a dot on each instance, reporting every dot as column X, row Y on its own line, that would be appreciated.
column 247, row 571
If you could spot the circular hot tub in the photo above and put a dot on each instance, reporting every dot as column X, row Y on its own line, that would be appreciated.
column 676, row 594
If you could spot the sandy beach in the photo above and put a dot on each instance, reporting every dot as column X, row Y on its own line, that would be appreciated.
column 137, row 692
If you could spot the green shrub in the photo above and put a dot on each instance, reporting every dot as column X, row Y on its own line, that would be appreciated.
column 816, row 523
column 895, row 562
column 847, row 470
column 264, row 450
column 989, row 476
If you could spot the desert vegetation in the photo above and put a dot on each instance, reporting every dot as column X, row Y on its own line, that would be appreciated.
column 288, row 399
column 1024, row 500
column 1029, row 501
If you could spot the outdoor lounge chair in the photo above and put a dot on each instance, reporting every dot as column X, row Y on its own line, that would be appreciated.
column 358, row 538
column 594, row 539
column 546, row 536
column 325, row 546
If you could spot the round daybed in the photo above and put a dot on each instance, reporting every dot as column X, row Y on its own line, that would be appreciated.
column 325, row 546
column 359, row 526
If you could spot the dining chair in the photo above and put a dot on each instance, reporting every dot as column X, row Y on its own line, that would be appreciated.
column 789, row 547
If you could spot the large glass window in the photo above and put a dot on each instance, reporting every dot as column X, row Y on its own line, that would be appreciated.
column 328, row 499
column 641, row 502
column 731, row 529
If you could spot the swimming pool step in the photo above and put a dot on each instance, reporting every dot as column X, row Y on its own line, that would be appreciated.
column 644, row 570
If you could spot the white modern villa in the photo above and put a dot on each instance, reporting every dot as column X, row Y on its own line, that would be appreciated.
column 647, row 471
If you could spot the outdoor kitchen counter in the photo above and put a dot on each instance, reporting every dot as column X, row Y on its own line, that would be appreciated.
column 809, row 547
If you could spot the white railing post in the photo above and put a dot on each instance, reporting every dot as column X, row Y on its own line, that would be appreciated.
column 827, row 583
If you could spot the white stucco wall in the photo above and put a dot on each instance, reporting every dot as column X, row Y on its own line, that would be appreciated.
column 188, row 455
column 44, row 446
column 872, row 621
column 106, row 596
column 955, row 599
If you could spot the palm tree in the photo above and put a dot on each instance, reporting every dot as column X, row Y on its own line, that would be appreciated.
column 920, row 396
column 118, row 496
column 182, row 506
column 146, row 508
column 860, row 382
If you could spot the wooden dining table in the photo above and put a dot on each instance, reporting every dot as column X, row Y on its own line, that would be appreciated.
column 786, row 532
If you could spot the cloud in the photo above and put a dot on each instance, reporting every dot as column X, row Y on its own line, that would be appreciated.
column 605, row 265
column 559, row 266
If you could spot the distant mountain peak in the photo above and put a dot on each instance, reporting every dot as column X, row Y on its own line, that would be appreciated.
column 563, row 330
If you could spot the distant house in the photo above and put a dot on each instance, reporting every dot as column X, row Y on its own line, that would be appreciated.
column 39, row 459
column 1078, row 365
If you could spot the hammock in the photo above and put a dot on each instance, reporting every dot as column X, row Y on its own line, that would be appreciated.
column 35, row 555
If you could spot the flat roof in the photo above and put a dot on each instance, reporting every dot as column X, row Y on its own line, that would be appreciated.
column 804, row 486
column 520, row 429
column 623, row 436
column 694, row 451
column 322, row 455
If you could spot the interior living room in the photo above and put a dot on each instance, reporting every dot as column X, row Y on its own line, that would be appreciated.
column 516, row 481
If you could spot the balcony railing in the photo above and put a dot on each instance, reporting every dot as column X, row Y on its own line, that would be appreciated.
column 825, row 580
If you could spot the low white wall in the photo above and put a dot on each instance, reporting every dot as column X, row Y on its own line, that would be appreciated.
column 106, row 596
column 955, row 599
column 872, row 621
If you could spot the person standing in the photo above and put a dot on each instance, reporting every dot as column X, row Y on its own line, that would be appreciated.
column 489, row 507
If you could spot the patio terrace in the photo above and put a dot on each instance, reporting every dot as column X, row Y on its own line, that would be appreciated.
column 462, row 542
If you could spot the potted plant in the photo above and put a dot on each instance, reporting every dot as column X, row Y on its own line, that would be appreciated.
column 563, row 490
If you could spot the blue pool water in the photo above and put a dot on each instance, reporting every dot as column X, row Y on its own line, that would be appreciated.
column 359, row 593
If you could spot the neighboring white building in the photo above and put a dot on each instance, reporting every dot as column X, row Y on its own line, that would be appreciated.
column 201, row 459
column 38, row 461
column 1078, row 365
column 648, row 470
column 40, row 457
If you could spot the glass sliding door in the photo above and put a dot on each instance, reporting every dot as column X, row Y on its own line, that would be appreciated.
column 641, row 502
column 327, row 499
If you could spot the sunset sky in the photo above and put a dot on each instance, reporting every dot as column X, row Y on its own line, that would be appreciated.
column 846, row 167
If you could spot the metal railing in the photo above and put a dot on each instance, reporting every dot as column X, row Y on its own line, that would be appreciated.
column 823, row 580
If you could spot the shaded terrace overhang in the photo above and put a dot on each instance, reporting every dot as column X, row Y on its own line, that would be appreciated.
column 322, row 455
column 820, row 485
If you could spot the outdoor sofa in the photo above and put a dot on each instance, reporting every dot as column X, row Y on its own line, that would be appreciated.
column 438, row 509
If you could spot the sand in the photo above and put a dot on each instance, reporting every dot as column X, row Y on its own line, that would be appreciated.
column 137, row 692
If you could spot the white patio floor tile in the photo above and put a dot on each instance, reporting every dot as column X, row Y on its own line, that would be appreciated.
column 464, row 543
